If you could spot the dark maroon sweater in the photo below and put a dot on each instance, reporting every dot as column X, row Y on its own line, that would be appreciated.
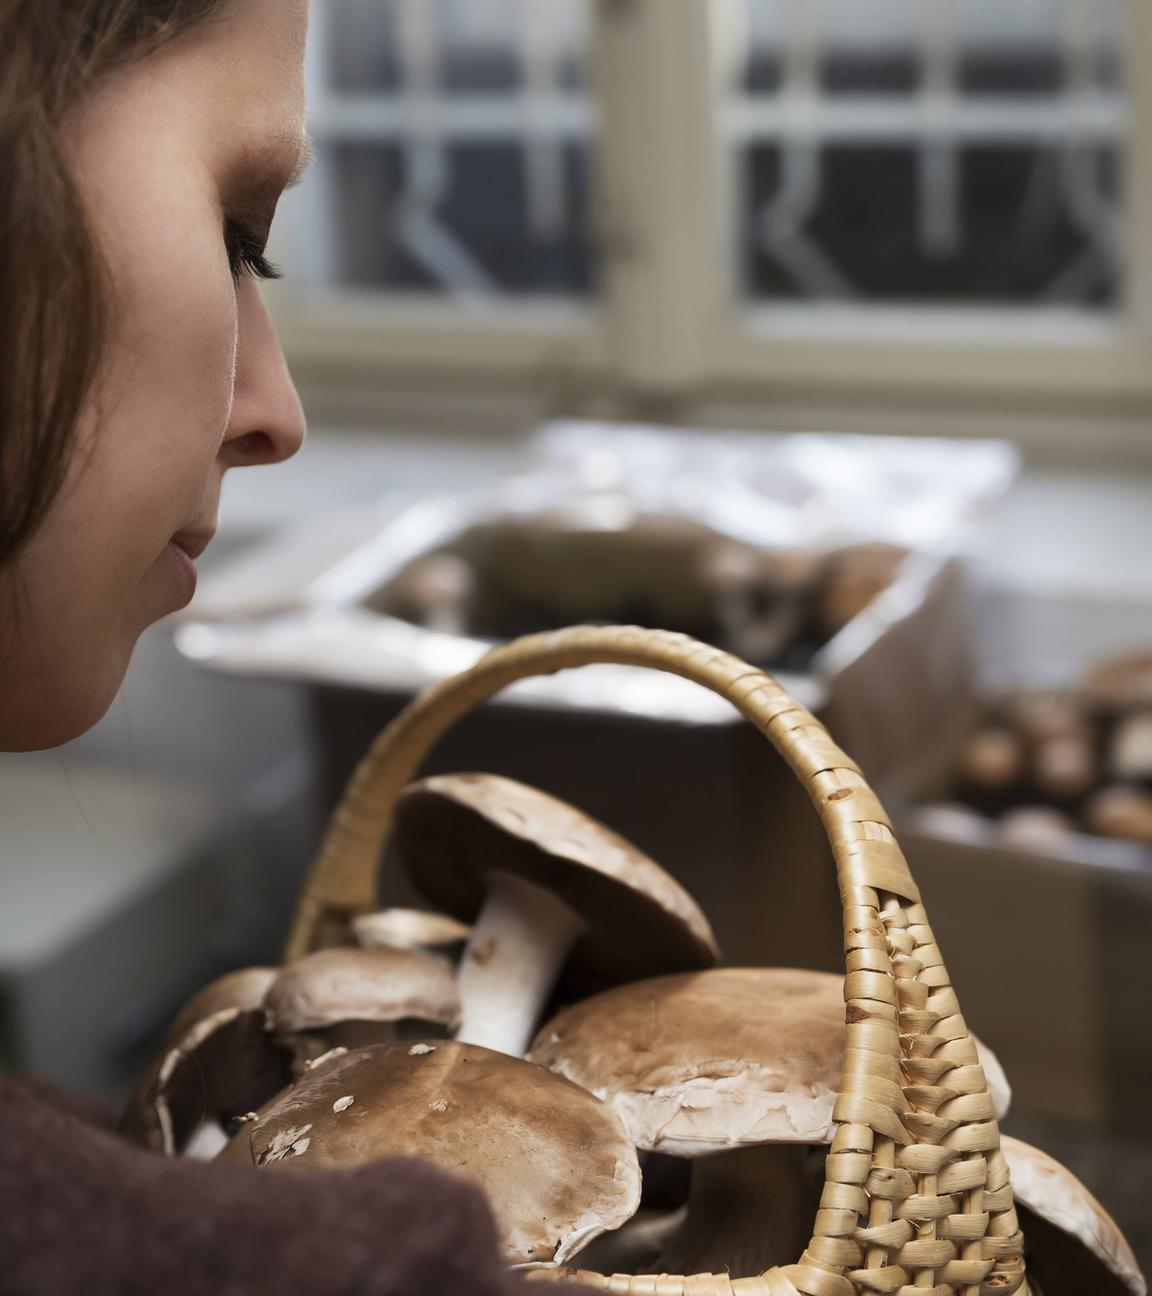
column 84, row 1214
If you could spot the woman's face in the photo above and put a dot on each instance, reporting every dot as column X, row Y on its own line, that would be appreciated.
column 180, row 159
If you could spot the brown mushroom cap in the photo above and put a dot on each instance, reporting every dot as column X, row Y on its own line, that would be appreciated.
column 1123, row 812
column 1130, row 750
column 1039, row 716
column 408, row 929
column 222, row 1067
column 992, row 757
column 707, row 1061
column 1071, row 1244
column 376, row 985
column 244, row 989
column 452, row 831
column 557, row 1164
column 701, row 1062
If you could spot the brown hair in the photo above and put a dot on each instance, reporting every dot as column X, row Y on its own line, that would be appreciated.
column 52, row 300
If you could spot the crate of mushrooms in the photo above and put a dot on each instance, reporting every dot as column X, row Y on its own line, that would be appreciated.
column 559, row 1025
column 1039, row 769
column 1046, row 802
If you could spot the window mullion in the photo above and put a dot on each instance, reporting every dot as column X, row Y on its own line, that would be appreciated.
column 659, row 232
column 1138, row 174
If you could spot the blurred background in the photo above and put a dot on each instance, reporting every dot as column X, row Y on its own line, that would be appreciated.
column 819, row 328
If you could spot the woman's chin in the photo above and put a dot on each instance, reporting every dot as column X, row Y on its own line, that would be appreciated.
column 49, row 707
column 70, row 670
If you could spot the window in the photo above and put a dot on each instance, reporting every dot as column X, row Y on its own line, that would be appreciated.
column 916, row 151
column 455, row 143
column 738, row 198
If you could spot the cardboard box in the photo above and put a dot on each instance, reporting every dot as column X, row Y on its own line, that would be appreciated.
column 1051, row 957
column 1049, row 945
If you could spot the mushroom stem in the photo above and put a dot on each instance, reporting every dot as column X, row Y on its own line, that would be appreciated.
column 748, row 1209
column 511, row 963
column 206, row 1142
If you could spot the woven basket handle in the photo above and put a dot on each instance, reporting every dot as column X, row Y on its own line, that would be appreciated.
column 916, row 1192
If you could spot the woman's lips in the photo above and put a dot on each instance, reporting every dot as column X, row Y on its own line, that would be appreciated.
column 183, row 549
column 184, row 569
column 193, row 543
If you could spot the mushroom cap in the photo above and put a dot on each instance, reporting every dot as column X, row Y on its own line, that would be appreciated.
column 1046, row 714
column 221, row 1067
column 1120, row 811
column 997, row 1082
column 992, row 757
column 557, row 1164
column 452, row 831
column 377, row 985
column 1130, row 754
column 408, row 929
column 244, row 989
column 702, row 1062
column 1035, row 827
column 708, row 1061
column 1071, row 1243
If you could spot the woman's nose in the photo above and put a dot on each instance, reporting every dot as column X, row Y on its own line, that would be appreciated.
column 267, row 424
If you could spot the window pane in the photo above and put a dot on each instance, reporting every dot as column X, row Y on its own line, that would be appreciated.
column 481, row 234
column 931, row 151
column 452, row 141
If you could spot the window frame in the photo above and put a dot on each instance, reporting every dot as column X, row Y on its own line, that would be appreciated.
column 668, row 326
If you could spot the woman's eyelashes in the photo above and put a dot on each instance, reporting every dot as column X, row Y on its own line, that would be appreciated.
column 246, row 253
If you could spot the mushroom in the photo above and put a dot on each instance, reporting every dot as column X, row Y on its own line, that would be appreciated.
column 408, row 929
column 738, row 1067
column 1064, row 767
column 992, row 757
column 349, row 997
column 1035, row 828
column 951, row 820
column 1130, row 755
column 1072, row 1246
column 758, row 595
column 244, row 989
column 435, row 591
column 557, row 1164
column 1124, row 812
column 1043, row 715
column 542, row 881
column 187, row 1094
column 221, row 1067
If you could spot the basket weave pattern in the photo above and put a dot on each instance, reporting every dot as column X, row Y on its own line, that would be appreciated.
column 917, row 1199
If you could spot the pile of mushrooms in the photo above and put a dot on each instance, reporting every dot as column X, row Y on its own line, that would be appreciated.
column 1042, row 766
column 597, row 560
column 557, row 1031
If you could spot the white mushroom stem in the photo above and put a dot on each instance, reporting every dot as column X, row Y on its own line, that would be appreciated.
column 207, row 1141
column 513, row 957
column 748, row 1209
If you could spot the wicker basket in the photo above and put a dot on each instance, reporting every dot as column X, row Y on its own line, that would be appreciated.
column 917, row 1197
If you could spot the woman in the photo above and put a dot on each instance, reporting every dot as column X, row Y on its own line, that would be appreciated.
column 143, row 147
